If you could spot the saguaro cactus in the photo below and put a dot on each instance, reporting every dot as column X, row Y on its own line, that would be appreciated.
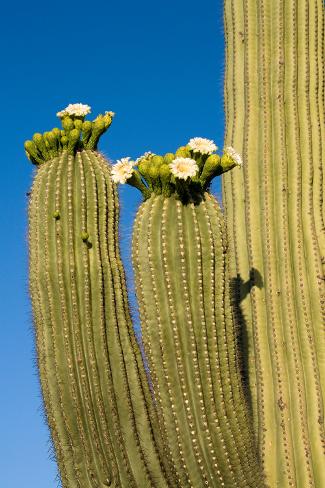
column 188, row 423
column 179, row 257
column 274, row 94
column 96, row 395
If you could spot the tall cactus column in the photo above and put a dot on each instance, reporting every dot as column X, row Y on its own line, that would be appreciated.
column 274, row 95
column 97, row 399
column 179, row 258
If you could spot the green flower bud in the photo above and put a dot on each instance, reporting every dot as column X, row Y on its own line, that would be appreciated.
column 169, row 157
column 156, row 160
column 86, row 131
column 41, row 146
column 165, row 178
column 211, row 168
column 77, row 124
column 143, row 167
column 227, row 163
column 108, row 118
column 57, row 138
column 64, row 142
column 98, row 128
column 56, row 132
column 67, row 124
column 183, row 152
column 50, row 142
column 32, row 152
column 136, row 181
column 73, row 140
column 153, row 173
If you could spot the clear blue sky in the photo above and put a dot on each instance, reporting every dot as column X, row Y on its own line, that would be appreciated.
column 158, row 65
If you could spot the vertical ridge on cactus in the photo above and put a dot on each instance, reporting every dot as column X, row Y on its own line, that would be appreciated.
column 274, row 113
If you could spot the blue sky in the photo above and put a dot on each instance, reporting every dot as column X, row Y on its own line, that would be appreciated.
column 158, row 65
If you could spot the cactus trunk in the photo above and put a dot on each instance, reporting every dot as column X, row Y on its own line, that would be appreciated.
column 274, row 96
column 96, row 395
column 179, row 257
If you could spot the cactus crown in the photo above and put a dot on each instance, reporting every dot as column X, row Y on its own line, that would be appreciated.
column 76, row 134
column 187, row 173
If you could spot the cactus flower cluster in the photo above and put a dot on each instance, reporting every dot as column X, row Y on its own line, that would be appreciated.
column 188, row 171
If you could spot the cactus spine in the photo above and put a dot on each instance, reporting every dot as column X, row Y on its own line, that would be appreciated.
column 274, row 95
column 96, row 394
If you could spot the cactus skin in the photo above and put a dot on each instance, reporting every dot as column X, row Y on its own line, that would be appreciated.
column 95, row 389
column 274, row 94
column 179, row 258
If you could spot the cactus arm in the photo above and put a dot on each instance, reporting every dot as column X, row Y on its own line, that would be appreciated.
column 96, row 393
column 281, row 224
column 186, row 344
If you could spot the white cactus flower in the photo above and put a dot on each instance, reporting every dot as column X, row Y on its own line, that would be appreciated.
column 234, row 155
column 61, row 114
column 183, row 168
column 144, row 156
column 122, row 170
column 202, row 145
column 75, row 109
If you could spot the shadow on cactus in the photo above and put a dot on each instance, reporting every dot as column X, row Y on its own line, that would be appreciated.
column 194, row 428
column 239, row 290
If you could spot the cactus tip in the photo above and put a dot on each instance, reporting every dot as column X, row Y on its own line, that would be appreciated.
column 76, row 134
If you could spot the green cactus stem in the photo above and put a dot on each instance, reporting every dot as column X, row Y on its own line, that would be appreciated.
column 97, row 399
column 274, row 95
column 180, row 264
